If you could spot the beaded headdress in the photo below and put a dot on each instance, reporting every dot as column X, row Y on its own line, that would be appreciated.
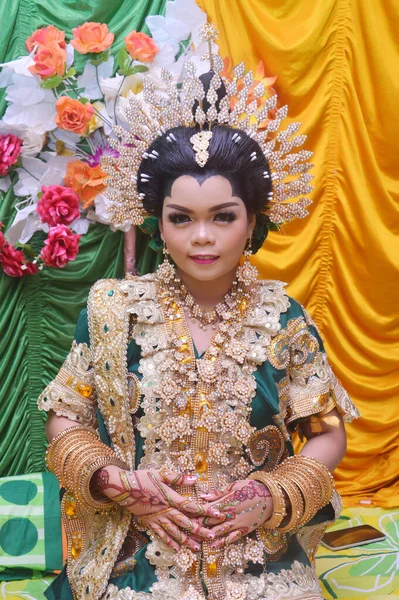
column 174, row 107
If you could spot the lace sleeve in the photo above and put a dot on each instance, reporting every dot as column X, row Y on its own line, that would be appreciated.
column 311, row 387
column 72, row 393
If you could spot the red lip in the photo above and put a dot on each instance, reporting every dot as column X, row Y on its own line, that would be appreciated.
column 205, row 259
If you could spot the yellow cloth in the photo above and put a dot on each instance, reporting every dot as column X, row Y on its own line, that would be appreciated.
column 337, row 67
column 368, row 572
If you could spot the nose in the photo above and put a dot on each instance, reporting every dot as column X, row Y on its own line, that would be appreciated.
column 202, row 235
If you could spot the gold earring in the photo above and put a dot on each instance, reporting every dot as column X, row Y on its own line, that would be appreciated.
column 248, row 248
column 165, row 252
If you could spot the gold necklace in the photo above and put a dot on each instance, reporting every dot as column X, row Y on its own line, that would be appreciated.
column 223, row 310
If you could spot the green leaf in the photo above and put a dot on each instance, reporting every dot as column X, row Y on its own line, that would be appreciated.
column 124, row 60
column 99, row 58
column 126, row 72
column 51, row 82
column 140, row 69
column 83, row 100
column 26, row 249
column 70, row 73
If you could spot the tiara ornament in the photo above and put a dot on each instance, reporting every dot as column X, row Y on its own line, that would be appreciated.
column 174, row 106
column 200, row 142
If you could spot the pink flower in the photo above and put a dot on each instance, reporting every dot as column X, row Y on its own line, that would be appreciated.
column 60, row 247
column 10, row 149
column 14, row 263
column 58, row 205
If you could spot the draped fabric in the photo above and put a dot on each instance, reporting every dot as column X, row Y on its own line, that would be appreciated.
column 39, row 314
column 336, row 62
column 336, row 67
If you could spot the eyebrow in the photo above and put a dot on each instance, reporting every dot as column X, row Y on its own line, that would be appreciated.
column 213, row 209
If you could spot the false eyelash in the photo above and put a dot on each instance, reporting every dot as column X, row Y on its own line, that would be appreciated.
column 176, row 217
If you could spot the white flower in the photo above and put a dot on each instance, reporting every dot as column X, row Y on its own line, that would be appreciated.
column 69, row 142
column 182, row 19
column 32, row 141
column 20, row 65
column 33, row 174
column 70, row 55
column 80, row 225
column 92, row 75
column 30, row 105
column 101, row 214
column 5, row 183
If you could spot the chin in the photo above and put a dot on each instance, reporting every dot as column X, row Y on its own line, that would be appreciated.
column 206, row 272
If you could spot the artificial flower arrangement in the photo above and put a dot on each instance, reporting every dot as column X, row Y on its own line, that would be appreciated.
column 57, row 123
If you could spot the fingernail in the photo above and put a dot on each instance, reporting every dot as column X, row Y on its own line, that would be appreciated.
column 206, row 495
column 192, row 478
column 196, row 547
column 212, row 535
column 214, row 545
column 216, row 513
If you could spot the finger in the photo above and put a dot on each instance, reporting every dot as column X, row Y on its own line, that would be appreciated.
column 212, row 521
column 234, row 536
column 190, row 525
column 164, row 537
column 212, row 496
column 181, row 538
column 222, row 530
column 194, row 508
column 202, row 532
column 174, row 478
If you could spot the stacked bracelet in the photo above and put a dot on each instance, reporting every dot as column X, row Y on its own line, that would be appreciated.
column 301, row 482
column 74, row 455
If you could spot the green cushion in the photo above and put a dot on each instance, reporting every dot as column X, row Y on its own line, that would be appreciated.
column 30, row 525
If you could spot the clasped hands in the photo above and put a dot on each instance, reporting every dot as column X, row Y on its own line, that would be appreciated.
column 221, row 519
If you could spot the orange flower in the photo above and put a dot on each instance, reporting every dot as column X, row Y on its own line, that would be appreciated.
column 141, row 47
column 86, row 181
column 49, row 61
column 259, row 76
column 72, row 115
column 92, row 37
column 46, row 36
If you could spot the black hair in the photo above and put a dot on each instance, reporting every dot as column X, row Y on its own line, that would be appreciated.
column 232, row 154
column 231, row 158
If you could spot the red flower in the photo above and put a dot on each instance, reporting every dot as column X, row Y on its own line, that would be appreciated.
column 58, row 205
column 2, row 238
column 60, row 247
column 10, row 149
column 14, row 263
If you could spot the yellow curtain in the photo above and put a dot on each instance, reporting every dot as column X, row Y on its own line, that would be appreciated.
column 337, row 67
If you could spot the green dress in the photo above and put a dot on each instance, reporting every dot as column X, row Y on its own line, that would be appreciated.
column 271, row 405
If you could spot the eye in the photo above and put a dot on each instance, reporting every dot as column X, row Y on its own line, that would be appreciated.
column 226, row 217
column 178, row 218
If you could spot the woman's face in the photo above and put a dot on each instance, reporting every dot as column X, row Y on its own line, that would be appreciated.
column 205, row 227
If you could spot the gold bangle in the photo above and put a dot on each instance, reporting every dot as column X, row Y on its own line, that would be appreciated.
column 61, row 444
column 319, row 472
column 74, row 455
column 52, row 445
column 99, row 503
column 313, row 480
column 296, row 501
column 279, row 508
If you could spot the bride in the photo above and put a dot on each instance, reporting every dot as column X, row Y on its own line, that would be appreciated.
column 170, row 422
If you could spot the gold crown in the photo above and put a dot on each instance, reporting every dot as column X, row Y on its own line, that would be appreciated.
column 163, row 111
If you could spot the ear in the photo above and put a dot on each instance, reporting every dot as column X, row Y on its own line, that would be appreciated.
column 160, row 225
column 251, row 224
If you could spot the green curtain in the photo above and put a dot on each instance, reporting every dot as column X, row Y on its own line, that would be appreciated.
column 38, row 314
